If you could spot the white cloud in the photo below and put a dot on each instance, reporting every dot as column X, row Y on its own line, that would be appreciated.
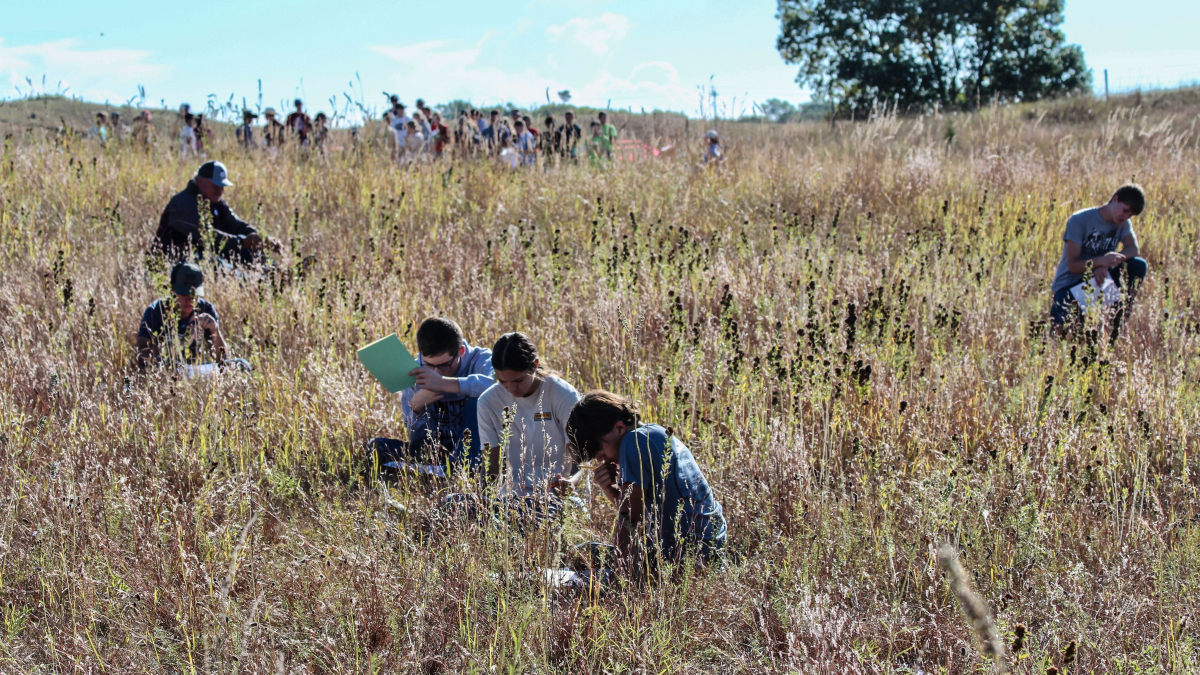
column 438, row 71
column 596, row 33
column 85, row 69
column 432, row 54
column 652, row 84
column 665, row 67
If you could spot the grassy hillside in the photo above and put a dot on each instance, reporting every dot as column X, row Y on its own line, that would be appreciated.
column 47, row 114
column 846, row 324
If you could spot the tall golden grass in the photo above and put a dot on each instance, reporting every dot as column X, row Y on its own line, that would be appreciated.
column 845, row 324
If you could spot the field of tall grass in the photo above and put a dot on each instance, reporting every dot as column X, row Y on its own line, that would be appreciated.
column 846, row 324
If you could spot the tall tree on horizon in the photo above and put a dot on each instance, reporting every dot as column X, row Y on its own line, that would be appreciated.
column 918, row 53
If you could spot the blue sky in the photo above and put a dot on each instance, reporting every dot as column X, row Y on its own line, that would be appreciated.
column 636, row 54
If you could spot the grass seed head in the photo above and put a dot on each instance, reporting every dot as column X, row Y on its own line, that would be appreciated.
column 972, row 605
column 1019, row 641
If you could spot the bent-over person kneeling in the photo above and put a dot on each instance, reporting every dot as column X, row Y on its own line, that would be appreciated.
column 653, row 481
column 194, row 322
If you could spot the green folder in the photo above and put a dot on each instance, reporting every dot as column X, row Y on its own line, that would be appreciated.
column 390, row 362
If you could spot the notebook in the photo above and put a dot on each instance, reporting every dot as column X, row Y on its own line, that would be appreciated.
column 390, row 362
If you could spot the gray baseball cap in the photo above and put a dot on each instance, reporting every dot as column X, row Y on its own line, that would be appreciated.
column 216, row 172
column 187, row 279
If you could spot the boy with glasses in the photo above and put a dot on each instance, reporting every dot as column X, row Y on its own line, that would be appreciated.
column 441, row 409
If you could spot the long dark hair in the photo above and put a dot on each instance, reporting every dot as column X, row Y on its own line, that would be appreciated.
column 515, row 351
column 594, row 416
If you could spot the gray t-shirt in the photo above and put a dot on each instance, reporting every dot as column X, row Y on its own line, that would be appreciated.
column 1095, row 235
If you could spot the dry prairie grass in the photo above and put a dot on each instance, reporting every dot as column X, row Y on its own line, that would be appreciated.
column 844, row 450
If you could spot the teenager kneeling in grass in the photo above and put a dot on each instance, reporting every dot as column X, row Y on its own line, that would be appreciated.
column 191, row 318
column 525, row 414
column 651, row 478
column 441, row 408
column 1090, row 246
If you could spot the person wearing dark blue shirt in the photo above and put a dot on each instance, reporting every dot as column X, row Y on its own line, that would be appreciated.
column 182, row 230
column 190, row 318
column 652, row 479
column 493, row 136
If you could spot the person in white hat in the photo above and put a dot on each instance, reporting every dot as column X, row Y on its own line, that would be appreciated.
column 181, row 236
column 712, row 153
column 272, row 130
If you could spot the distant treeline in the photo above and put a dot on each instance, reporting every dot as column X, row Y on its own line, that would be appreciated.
column 781, row 112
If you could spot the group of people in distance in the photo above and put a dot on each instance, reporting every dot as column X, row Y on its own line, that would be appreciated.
column 109, row 127
column 193, row 134
column 515, row 139
column 305, row 131
column 502, row 414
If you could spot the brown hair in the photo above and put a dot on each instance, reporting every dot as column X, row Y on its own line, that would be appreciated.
column 1132, row 195
column 439, row 335
column 594, row 416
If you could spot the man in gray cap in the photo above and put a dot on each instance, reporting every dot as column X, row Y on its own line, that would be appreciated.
column 189, row 317
column 180, row 234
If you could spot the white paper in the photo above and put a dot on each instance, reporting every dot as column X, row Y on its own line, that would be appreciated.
column 563, row 579
column 1090, row 296
column 200, row 372
column 431, row 469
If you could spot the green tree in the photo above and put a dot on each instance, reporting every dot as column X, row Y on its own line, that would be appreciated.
column 776, row 110
column 915, row 53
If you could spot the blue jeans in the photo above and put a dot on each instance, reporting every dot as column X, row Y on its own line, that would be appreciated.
column 433, row 445
column 423, row 451
column 1127, row 276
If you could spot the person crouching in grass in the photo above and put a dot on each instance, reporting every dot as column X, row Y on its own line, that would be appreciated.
column 653, row 481
column 441, row 409
column 1090, row 247
column 193, row 320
